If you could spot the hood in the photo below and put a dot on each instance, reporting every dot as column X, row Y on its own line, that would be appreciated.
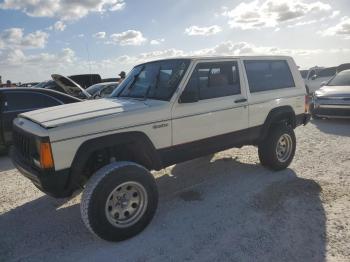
column 333, row 91
column 70, row 87
column 64, row 114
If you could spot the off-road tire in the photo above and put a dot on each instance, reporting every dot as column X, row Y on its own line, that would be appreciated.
column 97, row 192
column 3, row 150
column 267, row 148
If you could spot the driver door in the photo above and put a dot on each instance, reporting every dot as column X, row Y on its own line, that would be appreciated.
column 220, row 107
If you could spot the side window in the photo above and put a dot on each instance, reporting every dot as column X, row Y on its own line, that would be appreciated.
column 212, row 80
column 268, row 75
column 28, row 101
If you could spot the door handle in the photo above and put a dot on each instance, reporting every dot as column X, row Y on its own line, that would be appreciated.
column 241, row 100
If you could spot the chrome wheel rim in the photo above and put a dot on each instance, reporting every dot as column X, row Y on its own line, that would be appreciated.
column 126, row 204
column 284, row 148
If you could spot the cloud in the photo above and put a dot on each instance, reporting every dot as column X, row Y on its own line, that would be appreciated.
column 59, row 26
column 271, row 13
column 340, row 29
column 203, row 31
column 15, row 57
column 157, row 41
column 100, row 35
column 129, row 37
column 35, row 67
column 230, row 48
column 15, row 38
column 62, row 9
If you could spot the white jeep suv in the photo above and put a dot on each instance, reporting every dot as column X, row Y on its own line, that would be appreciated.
column 164, row 112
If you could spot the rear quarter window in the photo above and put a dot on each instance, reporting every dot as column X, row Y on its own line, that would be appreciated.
column 265, row 75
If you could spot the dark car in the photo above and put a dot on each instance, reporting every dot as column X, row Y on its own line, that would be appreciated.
column 332, row 100
column 14, row 101
column 86, row 80
column 102, row 89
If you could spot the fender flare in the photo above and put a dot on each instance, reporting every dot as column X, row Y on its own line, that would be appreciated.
column 277, row 115
column 138, row 139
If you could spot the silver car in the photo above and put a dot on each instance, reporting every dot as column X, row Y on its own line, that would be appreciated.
column 332, row 100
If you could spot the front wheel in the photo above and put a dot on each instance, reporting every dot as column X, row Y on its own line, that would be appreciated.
column 119, row 201
column 278, row 149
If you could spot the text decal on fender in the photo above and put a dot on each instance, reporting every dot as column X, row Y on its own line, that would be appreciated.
column 160, row 125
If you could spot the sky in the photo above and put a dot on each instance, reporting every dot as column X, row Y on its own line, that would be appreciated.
column 42, row 37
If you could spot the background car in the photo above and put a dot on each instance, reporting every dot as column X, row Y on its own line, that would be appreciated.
column 14, row 101
column 314, row 83
column 32, row 84
column 333, row 99
column 102, row 89
column 84, row 81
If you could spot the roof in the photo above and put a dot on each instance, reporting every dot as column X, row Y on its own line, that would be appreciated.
column 220, row 57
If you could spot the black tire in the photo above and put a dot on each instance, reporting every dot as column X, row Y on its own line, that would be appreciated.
column 97, row 196
column 3, row 150
column 267, row 149
column 312, row 112
column 316, row 117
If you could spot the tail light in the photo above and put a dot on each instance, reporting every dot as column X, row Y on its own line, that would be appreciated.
column 307, row 103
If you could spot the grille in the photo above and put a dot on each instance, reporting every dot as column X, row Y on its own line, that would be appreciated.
column 333, row 112
column 23, row 144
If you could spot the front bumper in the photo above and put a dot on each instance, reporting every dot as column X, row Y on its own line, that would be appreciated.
column 51, row 182
column 331, row 108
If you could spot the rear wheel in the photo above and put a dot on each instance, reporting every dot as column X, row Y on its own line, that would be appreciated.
column 278, row 149
column 119, row 201
column 3, row 150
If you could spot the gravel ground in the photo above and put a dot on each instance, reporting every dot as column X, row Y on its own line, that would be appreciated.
column 220, row 208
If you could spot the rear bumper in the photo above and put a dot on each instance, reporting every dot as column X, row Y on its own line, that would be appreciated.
column 53, row 183
column 303, row 119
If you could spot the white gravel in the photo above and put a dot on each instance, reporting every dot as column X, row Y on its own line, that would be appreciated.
column 220, row 208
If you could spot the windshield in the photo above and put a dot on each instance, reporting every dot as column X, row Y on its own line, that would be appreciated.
column 341, row 79
column 95, row 88
column 156, row 80
column 41, row 85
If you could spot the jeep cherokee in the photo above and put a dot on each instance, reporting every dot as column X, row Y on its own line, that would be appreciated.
column 164, row 112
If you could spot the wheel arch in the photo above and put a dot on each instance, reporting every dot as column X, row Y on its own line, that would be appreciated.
column 279, row 115
column 135, row 139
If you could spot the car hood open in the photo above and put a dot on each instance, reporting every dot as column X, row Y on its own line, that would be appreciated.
column 333, row 91
column 70, row 87
column 64, row 114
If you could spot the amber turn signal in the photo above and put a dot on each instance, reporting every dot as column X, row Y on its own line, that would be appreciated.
column 46, row 159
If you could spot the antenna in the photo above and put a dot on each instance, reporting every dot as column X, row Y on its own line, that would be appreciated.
column 89, row 61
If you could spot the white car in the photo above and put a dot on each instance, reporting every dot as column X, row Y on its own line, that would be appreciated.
column 164, row 112
column 314, row 82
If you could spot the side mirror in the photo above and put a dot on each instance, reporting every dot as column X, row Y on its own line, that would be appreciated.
column 188, row 97
column 313, row 77
column 324, row 83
